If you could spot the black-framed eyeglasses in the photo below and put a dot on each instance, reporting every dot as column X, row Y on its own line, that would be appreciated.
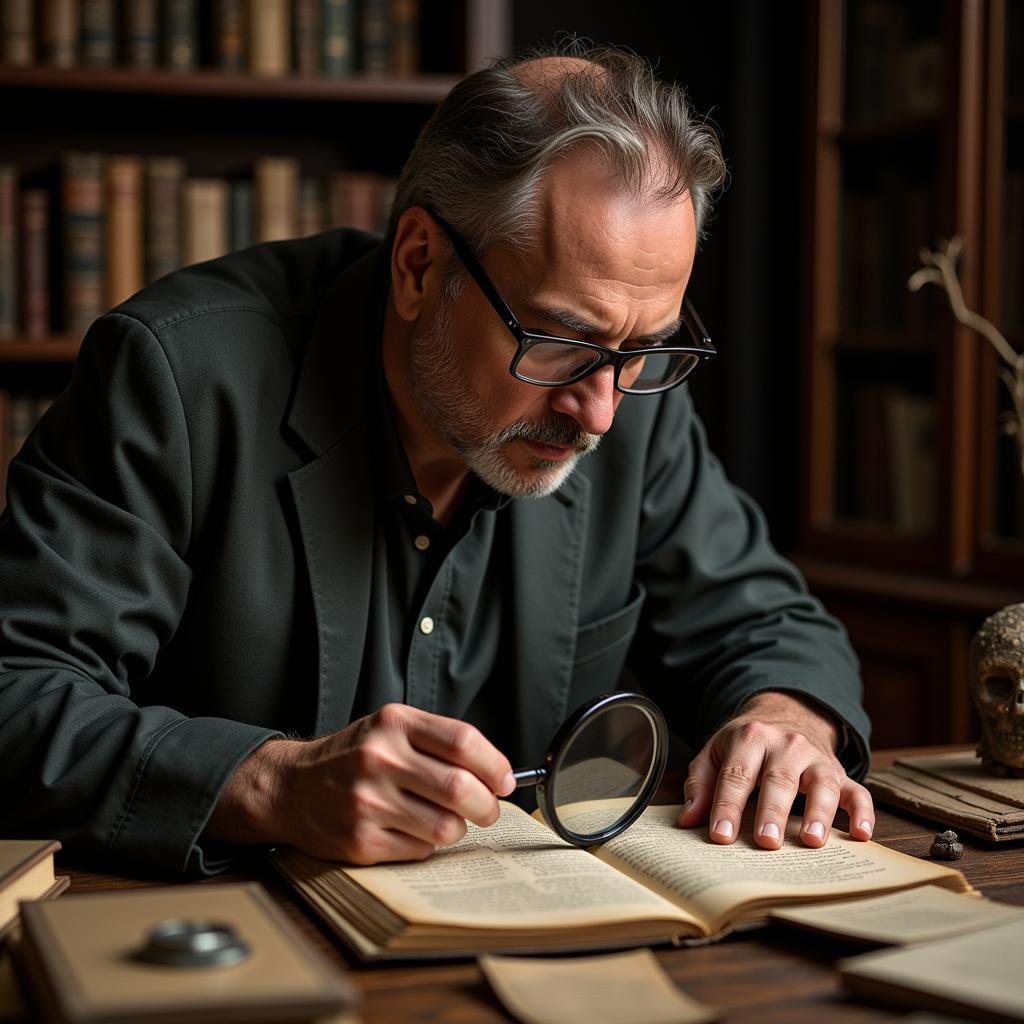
column 550, row 361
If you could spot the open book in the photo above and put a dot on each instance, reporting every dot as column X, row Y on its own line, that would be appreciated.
column 517, row 887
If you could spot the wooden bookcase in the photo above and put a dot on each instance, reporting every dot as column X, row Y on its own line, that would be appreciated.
column 220, row 121
column 912, row 504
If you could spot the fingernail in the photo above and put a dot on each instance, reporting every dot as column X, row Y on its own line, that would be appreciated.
column 508, row 784
column 815, row 828
column 866, row 826
column 770, row 829
column 723, row 828
column 687, row 806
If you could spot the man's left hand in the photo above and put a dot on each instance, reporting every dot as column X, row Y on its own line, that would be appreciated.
column 784, row 745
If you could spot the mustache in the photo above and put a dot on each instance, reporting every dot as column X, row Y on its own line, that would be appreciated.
column 557, row 431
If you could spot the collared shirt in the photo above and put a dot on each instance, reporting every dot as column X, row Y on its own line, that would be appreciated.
column 435, row 631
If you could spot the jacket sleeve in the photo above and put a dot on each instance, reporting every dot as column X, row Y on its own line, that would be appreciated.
column 726, row 616
column 94, row 576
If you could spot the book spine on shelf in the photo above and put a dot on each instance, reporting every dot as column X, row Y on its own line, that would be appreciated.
column 230, row 33
column 354, row 200
column 204, row 219
column 405, row 37
column 17, row 38
column 125, row 248
column 141, row 34
column 376, row 36
column 180, row 36
column 35, row 262
column 306, row 35
column 270, row 32
column 337, row 37
column 311, row 207
column 164, row 176
column 83, row 256
column 241, row 215
column 97, row 33
column 60, row 33
column 8, row 251
column 276, row 182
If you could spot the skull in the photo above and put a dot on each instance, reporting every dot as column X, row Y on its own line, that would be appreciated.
column 997, row 685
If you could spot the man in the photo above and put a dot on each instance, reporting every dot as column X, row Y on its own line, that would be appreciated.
column 360, row 493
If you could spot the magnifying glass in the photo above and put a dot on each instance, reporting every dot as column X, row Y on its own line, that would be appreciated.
column 602, row 768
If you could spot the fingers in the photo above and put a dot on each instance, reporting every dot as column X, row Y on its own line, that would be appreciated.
column 860, row 808
column 783, row 763
column 455, row 743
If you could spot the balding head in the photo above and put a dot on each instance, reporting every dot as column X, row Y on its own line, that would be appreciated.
column 482, row 159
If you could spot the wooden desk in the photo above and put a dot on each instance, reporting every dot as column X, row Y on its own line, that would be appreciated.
column 772, row 975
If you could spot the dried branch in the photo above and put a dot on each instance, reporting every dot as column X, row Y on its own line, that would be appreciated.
column 940, row 269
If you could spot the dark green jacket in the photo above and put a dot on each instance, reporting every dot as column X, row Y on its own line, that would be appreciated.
column 185, row 561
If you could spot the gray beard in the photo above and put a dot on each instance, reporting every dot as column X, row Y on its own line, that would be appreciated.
column 459, row 417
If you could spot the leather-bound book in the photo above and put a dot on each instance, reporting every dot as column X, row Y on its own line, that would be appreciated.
column 164, row 175
column 35, row 263
column 276, row 180
column 8, row 251
column 204, row 219
column 270, row 38
column 82, row 239
column 125, row 247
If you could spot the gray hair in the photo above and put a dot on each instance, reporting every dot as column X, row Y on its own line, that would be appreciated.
column 480, row 160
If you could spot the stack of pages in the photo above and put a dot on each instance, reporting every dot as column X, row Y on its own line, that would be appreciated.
column 955, row 790
column 517, row 887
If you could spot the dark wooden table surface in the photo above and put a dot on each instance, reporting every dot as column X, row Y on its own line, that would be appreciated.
column 771, row 975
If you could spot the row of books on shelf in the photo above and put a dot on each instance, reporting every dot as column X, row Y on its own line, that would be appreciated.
column 100, row 227
column 263, row 37
column 882, row 233
column 888, row 459
column 894, row 60
column 19, row 413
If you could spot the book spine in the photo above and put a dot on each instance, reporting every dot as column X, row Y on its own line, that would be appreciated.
column 8, row 251
column 311, row 207
column 83, row 240
column 241, row 215
column 355, row 200
column 405, row 37
column 376, row 36
column 204, row 219
column 35, row 246
column 230, row 35
column 306, row 59
column 97, row 35
column 337, row 37
column 180, row 35
column 270, row 38
column 276, row 181
column 125, row 262
column 60, row 33
column 17, row 40
column 164, row 176
column 141, row 34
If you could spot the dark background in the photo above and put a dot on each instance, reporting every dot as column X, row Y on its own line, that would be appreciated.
column 741, row 64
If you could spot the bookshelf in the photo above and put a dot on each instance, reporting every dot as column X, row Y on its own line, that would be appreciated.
column 235, row 93
column 912, row 505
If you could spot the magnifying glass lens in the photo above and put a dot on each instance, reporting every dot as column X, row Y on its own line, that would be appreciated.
column 608, row 760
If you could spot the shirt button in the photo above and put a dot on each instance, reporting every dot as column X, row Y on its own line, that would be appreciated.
column 426, row 625
column 422, row 542
column 410, row 499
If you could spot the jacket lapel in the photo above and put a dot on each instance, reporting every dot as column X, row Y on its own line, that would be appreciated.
column 333, row 493
column 547, row 572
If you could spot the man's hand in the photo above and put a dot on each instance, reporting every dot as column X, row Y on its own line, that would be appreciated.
column 784, row 745
column 391, row 786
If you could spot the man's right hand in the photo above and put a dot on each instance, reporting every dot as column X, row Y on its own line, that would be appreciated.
column 392, row 786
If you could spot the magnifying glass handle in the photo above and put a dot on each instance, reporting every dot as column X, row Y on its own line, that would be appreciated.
column 529, row 776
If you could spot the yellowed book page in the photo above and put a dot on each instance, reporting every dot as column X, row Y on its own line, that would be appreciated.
column 514, row 874
column 716, row 883
column 923, row 914
column 623, row 988
column 980, row 971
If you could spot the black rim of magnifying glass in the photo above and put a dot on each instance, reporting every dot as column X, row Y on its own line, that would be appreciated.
column 600, row 705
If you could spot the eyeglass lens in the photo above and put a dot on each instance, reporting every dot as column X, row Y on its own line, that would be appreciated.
column 552, row 363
